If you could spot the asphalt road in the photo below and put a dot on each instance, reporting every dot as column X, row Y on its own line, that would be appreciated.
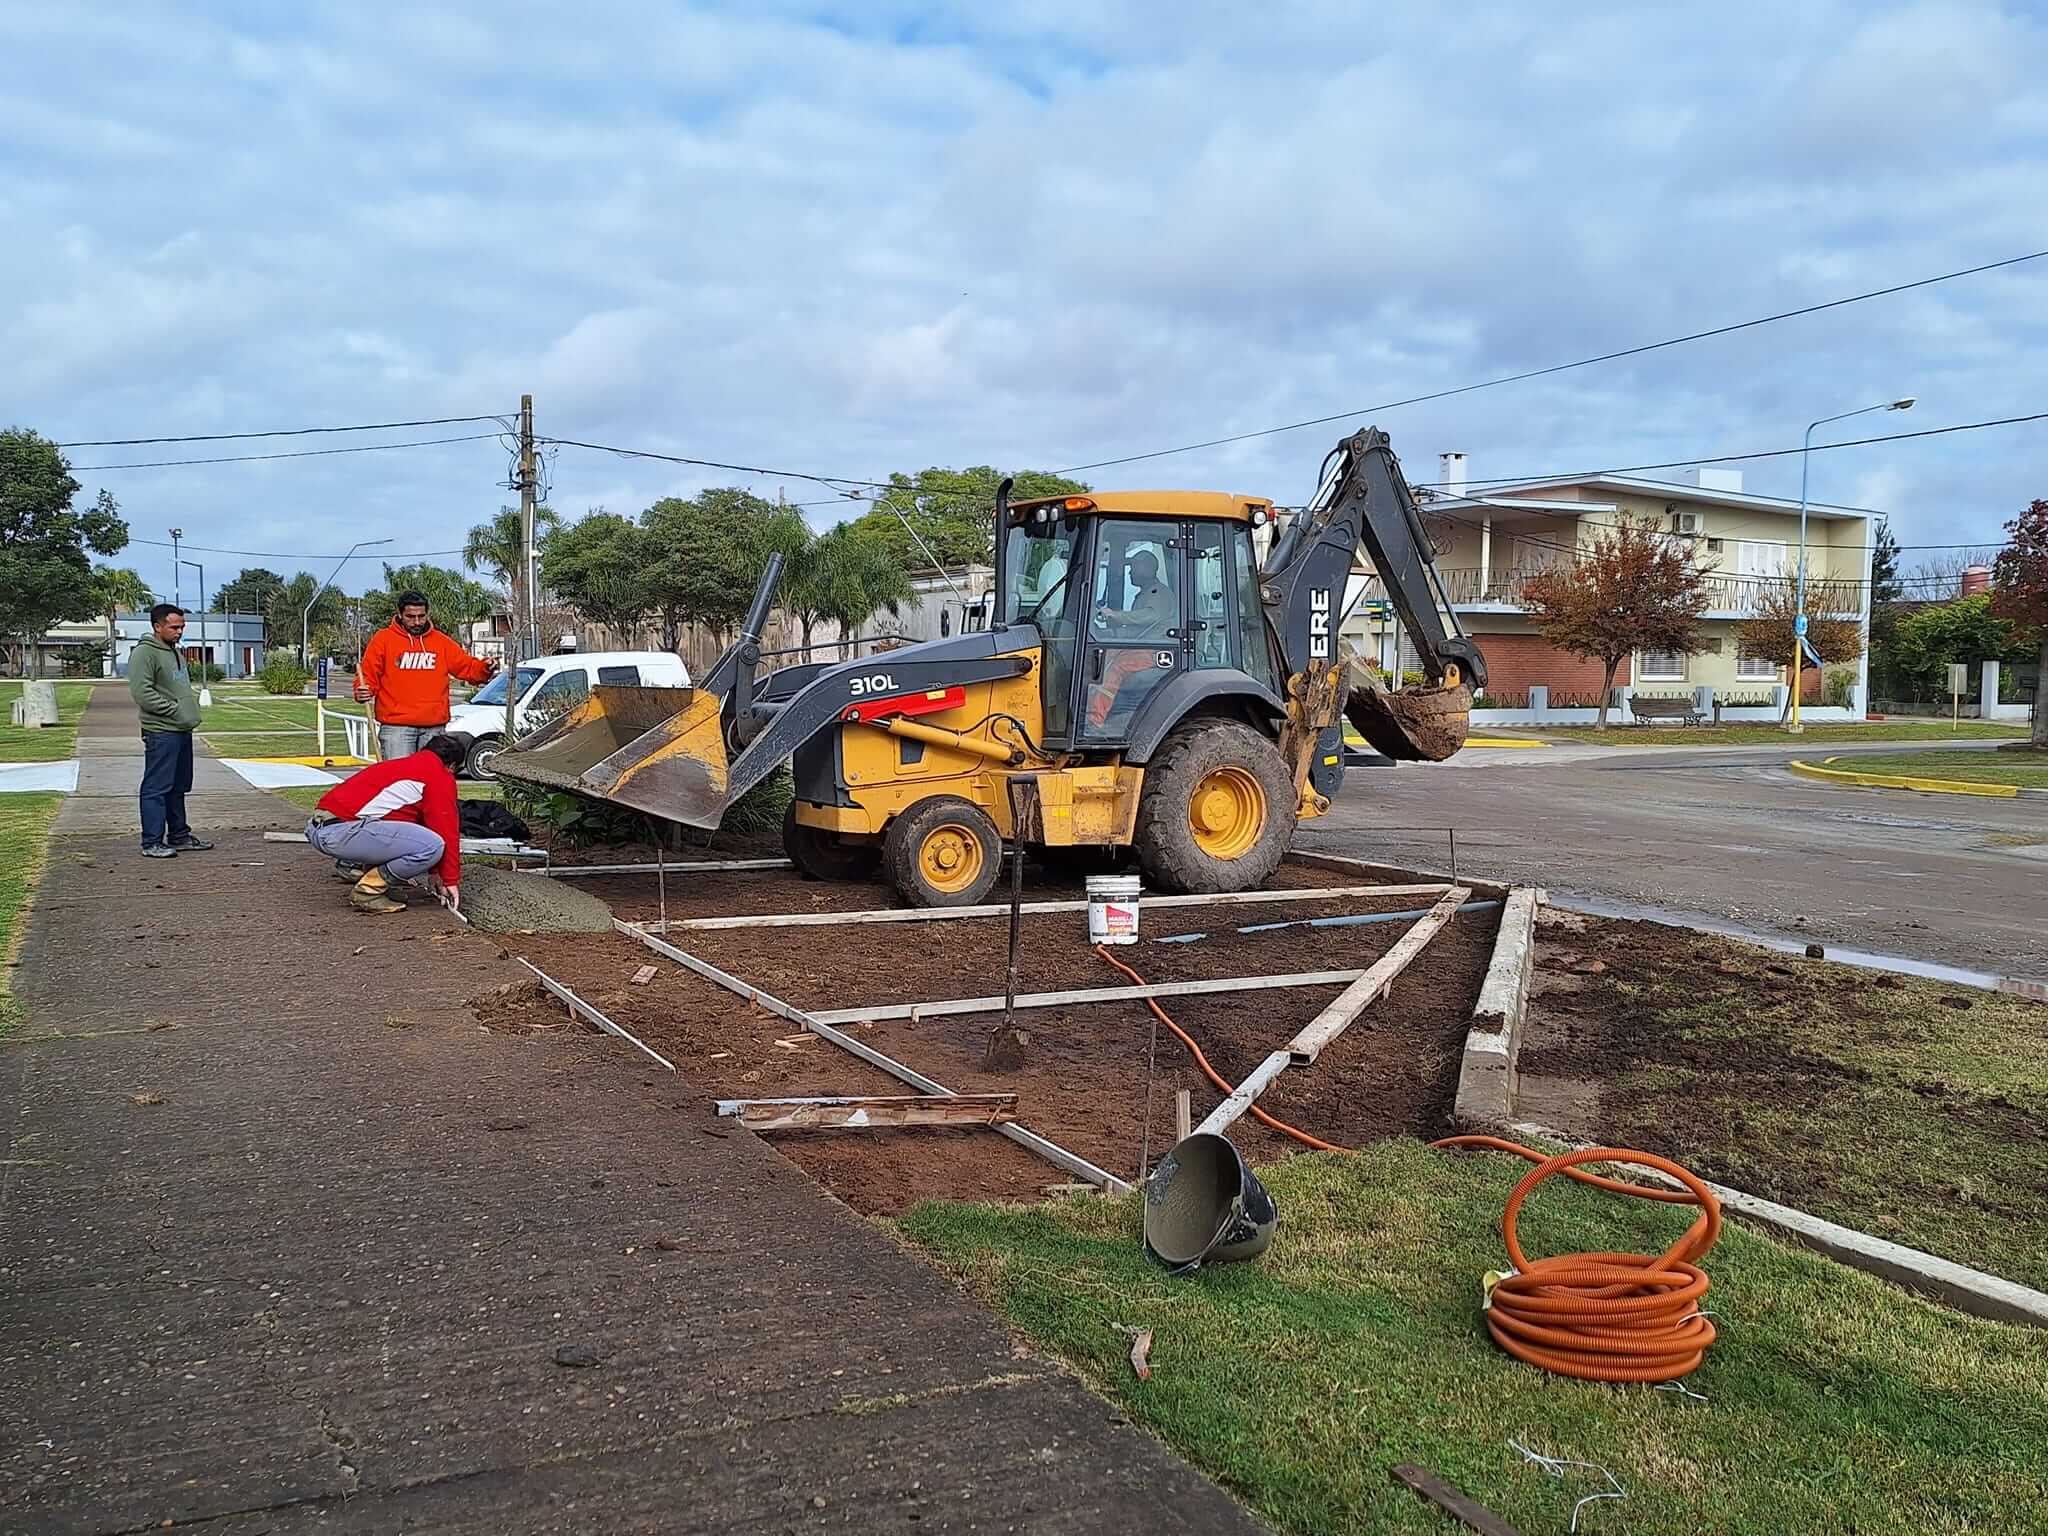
column 1725, row 837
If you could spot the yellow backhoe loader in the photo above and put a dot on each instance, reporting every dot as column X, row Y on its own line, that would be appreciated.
column 1145, row 686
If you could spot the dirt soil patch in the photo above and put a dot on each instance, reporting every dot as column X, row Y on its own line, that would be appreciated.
column 1083, row 1081
column 1909, row 1108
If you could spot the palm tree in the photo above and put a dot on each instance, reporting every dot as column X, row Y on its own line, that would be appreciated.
column 495, row 548
column 852, row 576
column 117, row 588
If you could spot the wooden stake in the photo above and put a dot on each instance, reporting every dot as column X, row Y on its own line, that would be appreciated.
column 998, row 909
column 874, row 1113
column 933, row 1010
column 1183, row 1116
column 1459, row 1506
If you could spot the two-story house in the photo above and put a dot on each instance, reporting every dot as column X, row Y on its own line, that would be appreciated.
column 1489, row 542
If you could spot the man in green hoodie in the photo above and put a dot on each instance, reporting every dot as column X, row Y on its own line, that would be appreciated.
column 170, row 713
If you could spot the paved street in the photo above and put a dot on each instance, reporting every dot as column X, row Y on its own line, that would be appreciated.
column 1727, row 836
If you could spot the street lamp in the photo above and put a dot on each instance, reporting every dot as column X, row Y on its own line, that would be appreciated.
column 306, row 618
column 177, row 599
column 205, row 693
column 1799, row 622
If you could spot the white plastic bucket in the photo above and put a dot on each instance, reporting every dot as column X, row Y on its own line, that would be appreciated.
column 1112, row 909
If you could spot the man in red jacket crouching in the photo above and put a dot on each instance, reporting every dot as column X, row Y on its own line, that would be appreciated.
column 396, row 820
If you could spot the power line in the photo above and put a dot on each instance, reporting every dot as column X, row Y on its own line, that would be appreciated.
column 273, row 554
column 229, row 437
column 745, row 469
column 303, row 453
column 1537, row 373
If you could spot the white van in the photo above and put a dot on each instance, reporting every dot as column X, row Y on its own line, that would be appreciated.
column 549, row 686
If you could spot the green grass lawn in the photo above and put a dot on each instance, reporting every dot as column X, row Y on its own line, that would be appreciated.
column 1836, row 1403
column 24, row 840
column 1911, row 1109
column 2029, row 770
column 50, row 744
column 1770, row 735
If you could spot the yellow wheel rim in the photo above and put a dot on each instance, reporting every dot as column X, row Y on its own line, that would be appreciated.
column 950, row 858
column 1227, row 813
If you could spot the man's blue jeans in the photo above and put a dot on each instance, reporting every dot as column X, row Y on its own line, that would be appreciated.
column 166, row 780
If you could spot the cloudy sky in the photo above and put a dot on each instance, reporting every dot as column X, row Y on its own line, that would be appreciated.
column 860, row 239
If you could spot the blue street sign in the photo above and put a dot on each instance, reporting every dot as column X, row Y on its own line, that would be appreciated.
column 320, row 674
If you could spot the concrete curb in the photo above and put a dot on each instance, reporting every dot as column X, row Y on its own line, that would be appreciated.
column 1394, row 873
column 1828, row 775
column 1487, row 1083
column 1955, row 1285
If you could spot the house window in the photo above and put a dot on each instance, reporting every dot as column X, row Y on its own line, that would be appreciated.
column 1661, row 667
column 1756, row 667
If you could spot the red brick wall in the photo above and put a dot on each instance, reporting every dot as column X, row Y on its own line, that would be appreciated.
column 1516, row 663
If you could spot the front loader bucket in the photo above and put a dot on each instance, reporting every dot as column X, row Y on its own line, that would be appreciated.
column 657, row 750
column 1413, row 725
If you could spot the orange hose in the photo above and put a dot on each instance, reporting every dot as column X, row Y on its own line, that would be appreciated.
column 1621, row 1317
column 1315, row 1143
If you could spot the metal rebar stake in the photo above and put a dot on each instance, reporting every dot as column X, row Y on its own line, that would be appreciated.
column 661, row 873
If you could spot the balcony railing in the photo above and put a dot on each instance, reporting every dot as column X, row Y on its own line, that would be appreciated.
column 1725, row 594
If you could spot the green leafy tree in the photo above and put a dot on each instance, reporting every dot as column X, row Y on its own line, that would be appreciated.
column 953, row 511
column 2020, row 595
column 705, row 556
column 118, row 590
column 1930, row 639
column 452, row 598
column 1885, row 586
column 46, row 545
column 493, row 548
column 285, row 609
column 844, row 577
column 599, row 565
column 1634, row 590
column 248, row 591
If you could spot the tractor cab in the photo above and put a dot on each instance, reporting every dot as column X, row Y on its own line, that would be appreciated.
column 1144, row 601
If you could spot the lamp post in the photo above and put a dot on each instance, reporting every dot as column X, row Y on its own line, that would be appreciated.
column 306, row 618
column 177, row 598
column 205, row 693
column 1799, row 621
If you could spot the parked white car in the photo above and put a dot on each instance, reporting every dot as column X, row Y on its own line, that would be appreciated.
column 548, row 687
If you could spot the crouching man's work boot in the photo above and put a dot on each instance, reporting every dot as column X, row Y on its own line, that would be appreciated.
column 372, row 893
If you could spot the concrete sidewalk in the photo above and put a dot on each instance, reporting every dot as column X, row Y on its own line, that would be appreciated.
column 287, row 1241
column 110, row 775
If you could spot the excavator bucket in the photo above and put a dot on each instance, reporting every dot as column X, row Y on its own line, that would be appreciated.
column 1423, row 724
column 657, row 750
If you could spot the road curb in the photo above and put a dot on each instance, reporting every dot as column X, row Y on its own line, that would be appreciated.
column 1827, row 775
column 1487, row 1083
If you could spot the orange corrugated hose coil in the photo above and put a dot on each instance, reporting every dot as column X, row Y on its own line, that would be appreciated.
column 1621, row 1317
column 1604, row 1316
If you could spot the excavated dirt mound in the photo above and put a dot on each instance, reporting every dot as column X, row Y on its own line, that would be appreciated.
column 498, row 901
column 1083, row 1080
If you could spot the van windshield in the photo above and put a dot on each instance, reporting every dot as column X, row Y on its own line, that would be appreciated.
column 493, row 692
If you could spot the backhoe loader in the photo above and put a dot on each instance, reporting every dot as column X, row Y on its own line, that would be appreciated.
column 1146, row 687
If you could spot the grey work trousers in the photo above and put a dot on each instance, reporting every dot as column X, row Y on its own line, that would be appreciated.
column 404, row 850
column 404, row 740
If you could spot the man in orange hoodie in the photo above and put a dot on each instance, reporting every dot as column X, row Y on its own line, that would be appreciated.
column 405, row 671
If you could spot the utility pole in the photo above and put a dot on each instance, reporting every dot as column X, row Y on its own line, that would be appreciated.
column 524, row 636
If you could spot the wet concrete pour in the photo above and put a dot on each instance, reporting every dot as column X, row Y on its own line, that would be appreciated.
column 287, row 1240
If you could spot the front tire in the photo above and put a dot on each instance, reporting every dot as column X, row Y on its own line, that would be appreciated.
column 820, row 855
column 943, row 852
column 1217, row 811
column 483, row 753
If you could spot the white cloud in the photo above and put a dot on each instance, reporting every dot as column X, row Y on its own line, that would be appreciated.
column 1038, row 234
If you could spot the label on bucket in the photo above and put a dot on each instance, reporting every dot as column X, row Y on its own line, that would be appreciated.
column 1113, row 909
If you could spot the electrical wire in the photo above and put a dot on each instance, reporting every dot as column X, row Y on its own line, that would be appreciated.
column 745, row 469
column 303, row 453
column 1583, row 362
column 229, row 437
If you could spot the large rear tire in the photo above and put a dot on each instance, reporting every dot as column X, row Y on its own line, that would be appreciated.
column 1217, row 811
column 820, row 855
column 943, row 852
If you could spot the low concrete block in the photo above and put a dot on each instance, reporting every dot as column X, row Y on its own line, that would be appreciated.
column 1486, row 1073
